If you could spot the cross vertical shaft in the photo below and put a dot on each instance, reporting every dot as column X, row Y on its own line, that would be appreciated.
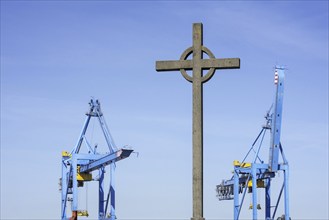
column 197, row 133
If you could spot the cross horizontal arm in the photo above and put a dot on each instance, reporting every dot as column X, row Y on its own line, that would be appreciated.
column 106, row 160
column 227, row 63
column 173, row 65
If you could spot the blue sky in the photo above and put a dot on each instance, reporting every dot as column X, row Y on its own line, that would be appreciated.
column 56, row 55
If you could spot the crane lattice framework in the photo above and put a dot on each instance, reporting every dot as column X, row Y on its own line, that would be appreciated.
column 257, row 174
column 77, row 168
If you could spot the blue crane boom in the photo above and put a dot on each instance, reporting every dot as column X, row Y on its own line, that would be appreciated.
column 106, row 160
column 77, row 168
column 248, row 176
column 276, row 120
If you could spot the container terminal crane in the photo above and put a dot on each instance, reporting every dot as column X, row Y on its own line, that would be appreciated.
column 77, row 168
column 248, row 176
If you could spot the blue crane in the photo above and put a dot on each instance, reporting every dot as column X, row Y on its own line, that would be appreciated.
column 77, row 168
column 248, row 176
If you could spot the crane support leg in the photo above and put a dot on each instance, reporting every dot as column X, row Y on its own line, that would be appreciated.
column 254, row 191
column 268, row 199
column 101, row 212
column 75, row 184
column 236, row 192
column 286, row 193
column 112, row 192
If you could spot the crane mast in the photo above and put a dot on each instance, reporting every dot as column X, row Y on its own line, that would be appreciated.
column 77, row 168
column 276, row 120
column 250, row 176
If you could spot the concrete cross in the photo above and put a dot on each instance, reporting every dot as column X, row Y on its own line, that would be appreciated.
column 197, row 64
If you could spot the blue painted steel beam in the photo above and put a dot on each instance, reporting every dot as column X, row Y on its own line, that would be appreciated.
column 101, row 201
column 236, row 206
column 64, row 188
column 75, row 185
column 268, row 199
column 77, row 147
column 254, row 191
column 286, row 193
column 276, row 120
column 106, row 160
